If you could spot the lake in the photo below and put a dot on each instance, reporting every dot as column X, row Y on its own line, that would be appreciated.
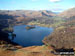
column 31, row 37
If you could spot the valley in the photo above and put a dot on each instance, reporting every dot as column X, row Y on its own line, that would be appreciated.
column 63, row 36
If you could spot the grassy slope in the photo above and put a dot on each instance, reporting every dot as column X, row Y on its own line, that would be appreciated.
column 47, row 21
column 34, row 51
column 63, row 36
column 28, row 51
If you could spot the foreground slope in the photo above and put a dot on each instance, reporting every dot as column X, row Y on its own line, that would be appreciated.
column 63, row 36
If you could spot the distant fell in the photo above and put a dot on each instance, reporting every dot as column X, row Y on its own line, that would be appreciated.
column 68, row 13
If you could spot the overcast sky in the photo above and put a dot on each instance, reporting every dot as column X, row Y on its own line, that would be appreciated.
column 54, row 5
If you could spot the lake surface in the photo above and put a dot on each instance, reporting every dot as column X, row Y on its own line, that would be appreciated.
column 31, row 37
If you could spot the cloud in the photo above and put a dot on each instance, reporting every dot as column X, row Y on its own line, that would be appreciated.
column 57, row 9
column 34, row 0
column 54, row 0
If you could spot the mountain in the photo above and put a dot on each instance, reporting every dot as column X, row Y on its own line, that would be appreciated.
column 48, row 13
column 22, row 16
column 28, row 13
column 68, row 13
column 64, row 35
column 62, row 38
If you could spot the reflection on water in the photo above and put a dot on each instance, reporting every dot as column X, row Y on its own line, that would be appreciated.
column 12, row 35
column 30, row 37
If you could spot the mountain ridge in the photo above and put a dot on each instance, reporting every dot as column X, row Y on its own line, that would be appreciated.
column 68, row 13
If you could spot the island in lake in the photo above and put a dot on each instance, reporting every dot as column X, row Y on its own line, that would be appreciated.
column 30, row 27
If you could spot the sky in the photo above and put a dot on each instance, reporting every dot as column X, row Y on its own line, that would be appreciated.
column 53, row 5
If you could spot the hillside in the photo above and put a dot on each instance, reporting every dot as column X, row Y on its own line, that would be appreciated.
column 68, row 13
column 64, row 35
column 55, row 20
column 28, row 13
column 48, row 13
column 47, row 21
column 28, row 51
column 22, row 16
column 61, row 38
